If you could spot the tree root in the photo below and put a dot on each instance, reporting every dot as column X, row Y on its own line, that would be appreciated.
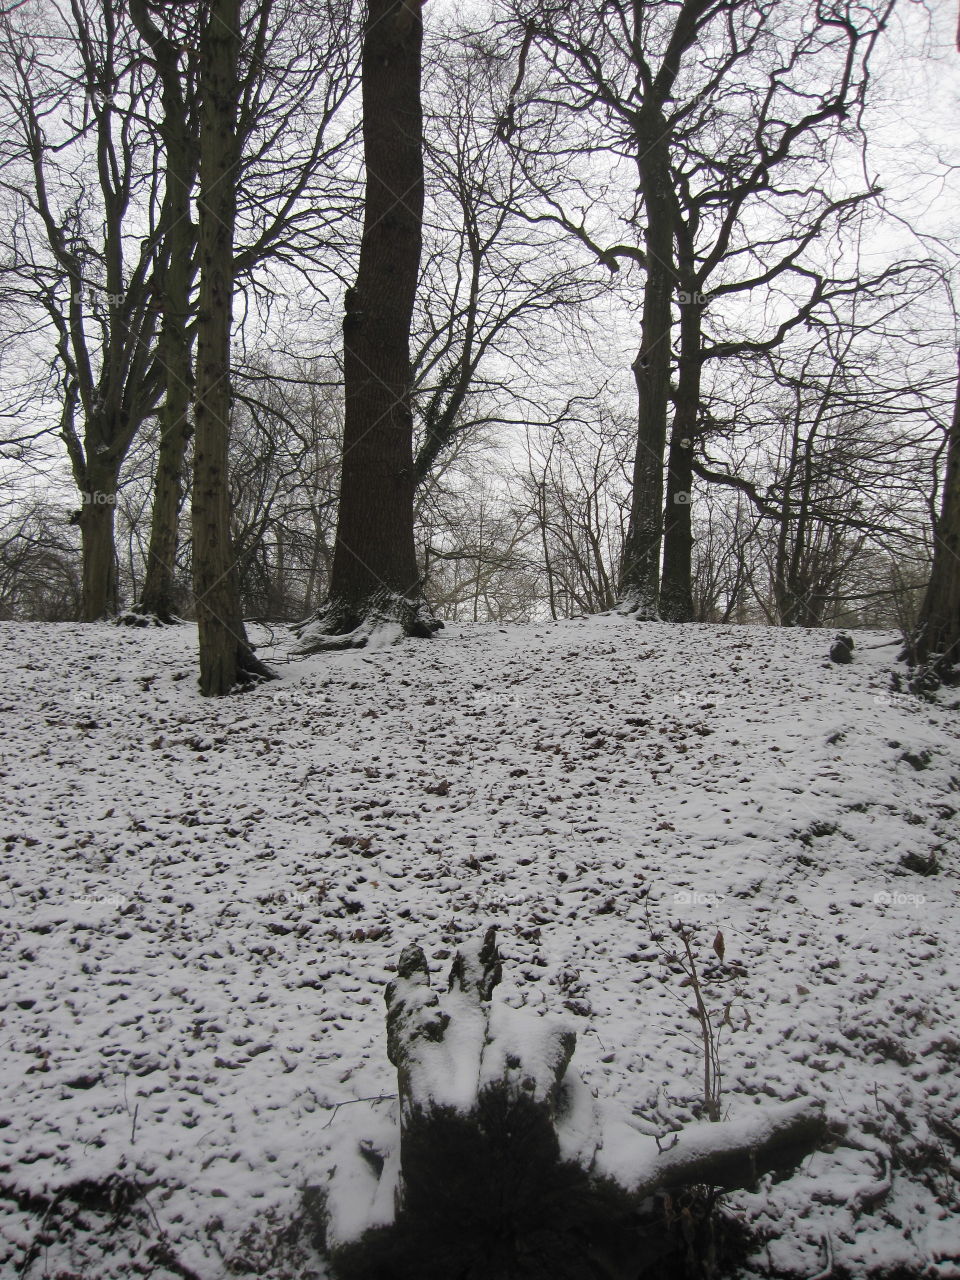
column 382, row 620
column 637, row 607
column 137, row 616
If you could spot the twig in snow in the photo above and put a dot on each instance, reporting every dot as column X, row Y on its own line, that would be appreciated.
column 827, row 1271
column 382, row 1097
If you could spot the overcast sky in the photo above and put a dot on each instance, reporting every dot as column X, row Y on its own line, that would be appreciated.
column 914, row 118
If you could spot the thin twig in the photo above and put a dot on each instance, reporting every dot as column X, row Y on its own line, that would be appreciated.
column 383, row 1097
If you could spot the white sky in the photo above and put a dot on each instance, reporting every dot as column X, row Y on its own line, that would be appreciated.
column 914, row 118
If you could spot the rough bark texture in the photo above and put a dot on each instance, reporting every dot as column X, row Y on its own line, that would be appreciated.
column 375, row 573
column 226, row 658
column 175, row 348
column 640, row 568
column 937, row 639
column 505, row 1166
column 96, row 520
column 676, row 584
column 159, row 597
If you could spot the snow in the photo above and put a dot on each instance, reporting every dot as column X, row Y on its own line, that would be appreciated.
column 528, row 1051
column 362, row 1196
column 636, row 1161
column 202, row 901
column 447, row 1039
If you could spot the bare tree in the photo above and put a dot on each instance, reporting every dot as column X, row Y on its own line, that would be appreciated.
column 39, row 567
column 226, row 657
column 295, row 197
column 375, row 576
column 481, row 552
column 285, row 458
column 173, row 56
column 728, row 147
column 831, row 455
column 936, row 639
column 87, row 246
column 495, row 290
column 753, row 215
column 725, row 546
column 577, row 486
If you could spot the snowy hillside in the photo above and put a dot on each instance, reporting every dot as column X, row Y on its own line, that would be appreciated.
column 202, row 899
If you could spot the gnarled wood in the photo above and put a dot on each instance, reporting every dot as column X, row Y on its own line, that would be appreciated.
column 498, row 1160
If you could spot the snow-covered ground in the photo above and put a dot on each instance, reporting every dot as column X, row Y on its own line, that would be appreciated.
column 202, row 901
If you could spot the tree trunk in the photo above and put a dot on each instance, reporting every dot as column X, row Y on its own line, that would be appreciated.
column 98, row 548
column 937, row 638
column 676, row 586
column 640, row 568
column 375, row 576
column 158, row 598
column 226, row 658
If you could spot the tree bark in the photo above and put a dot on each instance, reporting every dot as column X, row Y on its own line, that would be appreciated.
column 175, row 346
column 937, row 638
column 98, row 549
column 226, row 658
column 375, row 573
column 158, row 598
column 676, row 585
column 640, row 567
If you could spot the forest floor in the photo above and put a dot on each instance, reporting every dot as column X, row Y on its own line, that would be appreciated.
column 201, row 901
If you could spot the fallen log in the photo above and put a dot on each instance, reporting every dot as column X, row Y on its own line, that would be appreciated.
column 498, row 1163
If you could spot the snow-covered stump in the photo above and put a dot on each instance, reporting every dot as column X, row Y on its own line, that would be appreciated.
column 499, row 1163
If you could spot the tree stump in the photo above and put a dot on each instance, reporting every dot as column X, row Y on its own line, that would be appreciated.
column 497, row 1162
column 842, row 648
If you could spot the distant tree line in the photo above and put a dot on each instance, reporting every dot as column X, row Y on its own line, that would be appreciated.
column 546, row 311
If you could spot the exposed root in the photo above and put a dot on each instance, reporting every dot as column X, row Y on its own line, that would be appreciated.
column 383, row 620
column 933, row 660
column 140, row 617
column 640, row 608
column 132, row 618
column 251, row 671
